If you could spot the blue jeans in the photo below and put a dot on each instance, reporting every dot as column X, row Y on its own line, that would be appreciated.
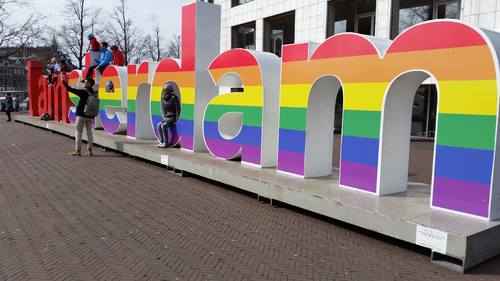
column 163, row 128
column 92, row 68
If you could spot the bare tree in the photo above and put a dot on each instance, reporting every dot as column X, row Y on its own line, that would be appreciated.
column 81, row 20
column 153, row 45
column 174, row 47
column 123, row 33
column 14, row 37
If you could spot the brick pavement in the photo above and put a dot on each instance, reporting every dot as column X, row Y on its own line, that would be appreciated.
column 134, row 221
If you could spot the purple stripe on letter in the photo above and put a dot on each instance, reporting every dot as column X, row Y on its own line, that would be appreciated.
column 358, row 176
column 223, row 149
column 291, row 162
column 72, row 116
column 131, row 130
column 461, row 196
column 251, row 154
column 110, row 125
column 186, row 141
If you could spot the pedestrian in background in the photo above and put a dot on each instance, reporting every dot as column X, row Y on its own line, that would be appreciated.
column 9, row 106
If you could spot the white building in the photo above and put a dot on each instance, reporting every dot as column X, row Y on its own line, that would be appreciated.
column 266, row 25
column 259, row 23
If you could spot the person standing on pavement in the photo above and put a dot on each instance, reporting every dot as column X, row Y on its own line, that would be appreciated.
column 171, row 108
column 9, row 106
column 82, row 120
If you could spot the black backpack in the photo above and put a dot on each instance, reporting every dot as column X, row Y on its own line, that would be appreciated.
column 46, row 117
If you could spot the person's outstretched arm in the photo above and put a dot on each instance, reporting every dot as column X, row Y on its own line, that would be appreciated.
column 77, row 92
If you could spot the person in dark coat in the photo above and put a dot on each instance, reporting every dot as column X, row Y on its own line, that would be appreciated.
column 171, row 108
column 82, row 120
column 65, row 67
column 9, row 106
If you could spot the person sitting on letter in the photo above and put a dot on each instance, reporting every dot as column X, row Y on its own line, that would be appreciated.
column 104, row 60
column 171, row 108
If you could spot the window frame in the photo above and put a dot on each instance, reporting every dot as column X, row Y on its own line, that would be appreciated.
column 433, row 4
column 440, row 2
column 236, row 3
column 273, row 20
column 330, row 18
column 234, row 32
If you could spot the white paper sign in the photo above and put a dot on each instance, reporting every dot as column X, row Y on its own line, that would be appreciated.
column 432, row 238
column 164, row 160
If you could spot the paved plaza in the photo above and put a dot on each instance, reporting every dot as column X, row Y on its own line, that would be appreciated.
column 111, row 217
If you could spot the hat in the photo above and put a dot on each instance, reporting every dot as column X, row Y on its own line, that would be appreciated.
column 91, row 35
column 168, row 87
column 92, row 81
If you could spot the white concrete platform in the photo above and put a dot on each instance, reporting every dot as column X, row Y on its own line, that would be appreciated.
column 468, row 243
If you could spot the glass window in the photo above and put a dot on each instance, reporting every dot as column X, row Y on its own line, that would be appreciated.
column 278, row 31
column 409, row 16
column 424, row 112
column 366, row 25
column 447, row 10
column 243, row 36
column 351, row 16
column 407, row 13
column 340, row 26
column 235, row 3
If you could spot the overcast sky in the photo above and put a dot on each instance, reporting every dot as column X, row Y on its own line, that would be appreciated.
column 145, row 13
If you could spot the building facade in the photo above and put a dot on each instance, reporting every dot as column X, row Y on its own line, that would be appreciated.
column 267, row 25
column 12, row 76
column 13, row 67
column 258, row 24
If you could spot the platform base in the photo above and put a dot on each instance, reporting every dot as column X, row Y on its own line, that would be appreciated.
column 460, row 243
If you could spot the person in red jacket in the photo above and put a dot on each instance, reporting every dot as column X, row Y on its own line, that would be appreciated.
column 95, row 46
column 118, row 57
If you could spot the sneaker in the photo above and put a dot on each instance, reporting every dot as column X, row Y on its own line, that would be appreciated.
column 164, row 145
column 89, row 153
column 75, row 153
column 160, row 145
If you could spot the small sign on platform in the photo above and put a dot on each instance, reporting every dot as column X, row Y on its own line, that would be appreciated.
column 432, row 238
column 164, row 160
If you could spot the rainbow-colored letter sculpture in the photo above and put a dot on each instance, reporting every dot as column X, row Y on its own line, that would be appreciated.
column 233, row 124
column 138, row 96
column 200, row 44
column 291, row 126
column 379, row 79
column 113, row 96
